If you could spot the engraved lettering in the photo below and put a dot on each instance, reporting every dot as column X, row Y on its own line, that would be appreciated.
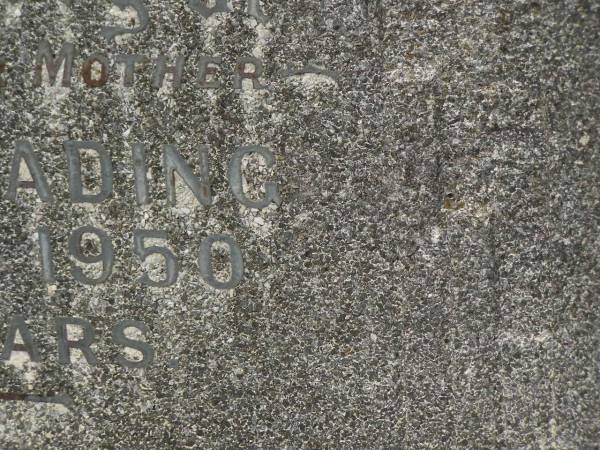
column 24, row 152
column 235, row 178
column 73, row 150
column 162, row 69
column 174, row 163
column 46, row 254
column 64, row 57
column 119, row 338
column 129, row 62
column 310, row 68
column 208, row 70
column 106, row 256
column 200, row 7
column 235, row 257
column 241, row 72
column 87, row 70
column 17, row 323
column 142, row 13
column 65, row 344
column 140, row 249
column 140, row 171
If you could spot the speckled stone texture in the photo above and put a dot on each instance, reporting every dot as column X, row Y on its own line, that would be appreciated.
column 430, row 279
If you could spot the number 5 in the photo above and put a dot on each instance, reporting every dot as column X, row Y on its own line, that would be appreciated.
column 139, row 236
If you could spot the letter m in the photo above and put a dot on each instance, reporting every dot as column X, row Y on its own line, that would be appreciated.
column 44, row 56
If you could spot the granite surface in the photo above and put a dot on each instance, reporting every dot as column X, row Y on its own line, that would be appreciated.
column 429, row 279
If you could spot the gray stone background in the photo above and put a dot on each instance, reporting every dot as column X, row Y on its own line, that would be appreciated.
column 430, row 279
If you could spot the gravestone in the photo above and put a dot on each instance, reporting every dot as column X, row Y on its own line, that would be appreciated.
column 304, row 224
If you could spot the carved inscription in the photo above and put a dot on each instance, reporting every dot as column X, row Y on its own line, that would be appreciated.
column 253, row 8
column 110, row 32
column 206, row 75
column 173, row 164
column 91, row 248
column 66, row 342
column 106, row 257
column 98, row 68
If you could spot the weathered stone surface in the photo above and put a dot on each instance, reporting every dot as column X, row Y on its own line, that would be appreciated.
column 429, row 278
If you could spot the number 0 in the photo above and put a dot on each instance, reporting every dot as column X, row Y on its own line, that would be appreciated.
column 235, row 256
